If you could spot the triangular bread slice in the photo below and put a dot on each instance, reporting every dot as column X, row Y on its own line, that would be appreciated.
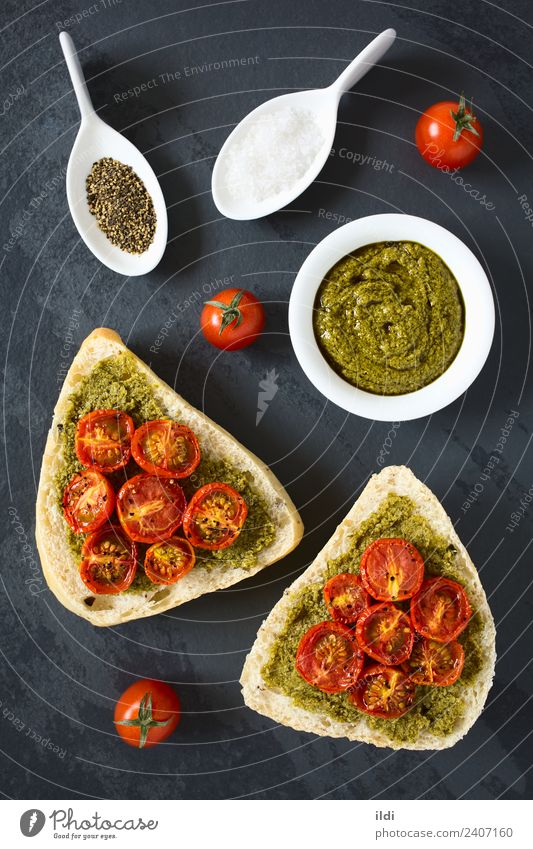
column 277, row 705
column 60, row 565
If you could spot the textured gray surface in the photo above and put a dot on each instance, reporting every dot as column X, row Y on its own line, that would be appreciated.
column 59, row 676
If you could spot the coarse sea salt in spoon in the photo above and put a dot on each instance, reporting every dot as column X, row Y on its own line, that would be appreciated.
column 97, row 140
column 278, row 149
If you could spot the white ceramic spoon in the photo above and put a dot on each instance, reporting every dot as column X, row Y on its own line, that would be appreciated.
column 323, row 103
column 95, row 140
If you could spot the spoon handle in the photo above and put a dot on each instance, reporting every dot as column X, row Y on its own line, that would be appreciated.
column 364, row 61
column 76, row 75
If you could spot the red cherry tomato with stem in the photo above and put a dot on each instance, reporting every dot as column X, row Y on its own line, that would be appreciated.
column 232, row 320
column 147, row 713
column 448, row 135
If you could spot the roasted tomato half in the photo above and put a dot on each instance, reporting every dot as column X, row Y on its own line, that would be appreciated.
column 88, row 501
column 392, row 569
column 150, row 508
column 440, row 610
column 345, row 597
column 167, row 562
column 214, row 516
column 329, row 658
column 166, row 448
column 383, row 691
column 109, row 561
column 435, row 663
column 103, row 440
column 384, row 633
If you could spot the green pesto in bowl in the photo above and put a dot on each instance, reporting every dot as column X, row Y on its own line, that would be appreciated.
column 389, row 318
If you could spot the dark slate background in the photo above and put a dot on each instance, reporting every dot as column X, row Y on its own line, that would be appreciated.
column 60, row 677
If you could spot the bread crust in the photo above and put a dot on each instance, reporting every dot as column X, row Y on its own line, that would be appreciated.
column 59, row 564
column 279, row 707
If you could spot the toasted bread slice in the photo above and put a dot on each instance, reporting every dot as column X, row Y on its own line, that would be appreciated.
column 280, row 707
column 61, row 565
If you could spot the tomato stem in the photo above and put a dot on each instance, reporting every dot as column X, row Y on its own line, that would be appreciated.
column 230, row 312
column 463, row 118
column 144, row 720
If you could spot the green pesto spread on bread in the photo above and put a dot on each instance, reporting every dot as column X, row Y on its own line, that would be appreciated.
column 436, row 709
column 117, row 383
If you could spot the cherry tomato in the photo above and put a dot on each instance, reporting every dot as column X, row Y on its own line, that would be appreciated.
column 166, row 448
column 234, row 320
column 109, row 561
column 103, row 440
column 329, row 658
column 392, row 569
column 88, row 501
column 440, row 610
column 167, row 562
column 448, row 135
column 383, row 691
column 435, row 663
column 150, row 508
column 147, row 713
column 384, row 633
column 345, row 597
column 214, row 516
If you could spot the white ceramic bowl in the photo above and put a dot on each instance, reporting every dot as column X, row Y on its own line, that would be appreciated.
column 479, row 317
